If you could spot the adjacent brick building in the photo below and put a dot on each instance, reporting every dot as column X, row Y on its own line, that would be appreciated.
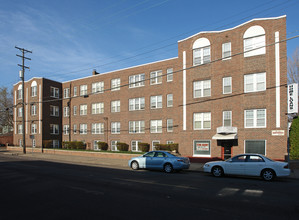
column 223, row 95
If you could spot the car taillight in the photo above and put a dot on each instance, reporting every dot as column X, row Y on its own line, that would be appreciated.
column 286, row 166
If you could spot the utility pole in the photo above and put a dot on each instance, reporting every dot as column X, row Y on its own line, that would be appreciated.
column 22, row 76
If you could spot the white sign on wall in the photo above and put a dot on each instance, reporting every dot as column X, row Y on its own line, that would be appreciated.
column 293, row 98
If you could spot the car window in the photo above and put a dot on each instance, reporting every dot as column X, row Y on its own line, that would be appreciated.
column 239, row 158
column 149, row 154
column 160, row 154
column 254, row 158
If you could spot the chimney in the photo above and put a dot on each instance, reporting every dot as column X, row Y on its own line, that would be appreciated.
column 94, row 72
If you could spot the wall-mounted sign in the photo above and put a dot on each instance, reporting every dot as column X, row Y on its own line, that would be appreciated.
column 293, row 98
column 277, row 132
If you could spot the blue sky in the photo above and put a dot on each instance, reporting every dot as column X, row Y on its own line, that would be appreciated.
column 71, row 38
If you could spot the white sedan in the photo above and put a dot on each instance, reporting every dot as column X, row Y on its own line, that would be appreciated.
column 248, row 165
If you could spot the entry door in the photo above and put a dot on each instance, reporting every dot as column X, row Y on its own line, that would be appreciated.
column 227, row 152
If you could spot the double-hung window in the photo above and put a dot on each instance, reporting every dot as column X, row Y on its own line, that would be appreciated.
column 115, row 106
column 115, row 127
column 54, row 92
column 97, row 108
column 20, row 129
column 255, row 118
column 202, row 121
column 33, row 110
column 66, row 111
column 54, row 110
column 227, row 118
column 255, row 82
column 75, row 91
column 83, row 128
column 156, row 126
column 97, row 128
column 227, row 85
column 226, row 51
column 169, row 74
column 254, row 41
column 97, row 87
column 83, row 90
column 136, row 127
column 169, row 125
column 136, row 104
column 201, row 88
column 20, row 112
column 170, row 100
column 134, row 145
column 156, row 102
column 115, row 84
column 66, row 93
column 33, row 91
column 136, row 80
column 156, row 77
column 83, row 109
column 54, row 129
column 33, row 128
column 66, row 129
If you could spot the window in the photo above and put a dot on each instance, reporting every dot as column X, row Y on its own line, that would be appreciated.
column 97, row 128
column 55, row 143
column 156, row 102
column 83, row 109
column 254, row 41
column 169, row 74
column 136, row 80
column 20, row 92
column 66, row 129
column 83, row 128
column 20, row 112
column 33, row 128
column 255, row 82
column 134, row 145
column 201, row 88
column 169, row 142
column 115, row 106
column 201, row 51
column 54, row 110
column 202, row 148
column 156, row 77
column 95, row 144
column 115, row 127
column 226, row 51
column 255, row 118
column 75, row 91
column 66, row 111
column 115, row 84
column 66, row 93
column 255, row 146
column 202, row 121
column 97, row 108
column 83, row 90
column 154, row 144
column 170, row 100
column 20, row 129
column 227, row 85
column 114, row 145
column 97, row 87
column 54, row 129
column 136, row 127
column 75, row 129
column 136, row 104
column 156, row 126
column 33, row 89
column 33, row 110
column 54, row 92
column 75, row 110
column 227, row 118
column 169, row 125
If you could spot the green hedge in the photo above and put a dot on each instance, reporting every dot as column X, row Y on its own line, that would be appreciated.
column 168, row 147
column 122, row 146
column 102, row 145
column 47, row 143
column 144, row 147
column 294, row 139
column 79, row 145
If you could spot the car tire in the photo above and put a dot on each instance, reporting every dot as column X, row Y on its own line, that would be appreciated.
column 268, row 174
column 217, row 171
column 168, row 168
column 135, row 165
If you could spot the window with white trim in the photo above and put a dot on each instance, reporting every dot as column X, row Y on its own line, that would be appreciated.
column 254, row 41
column 169, row 100
column 154, row 144
column 75, row 91
column 66, row 129
column 54, row 129
column 227, row 118
column 169, row 142
column 83, row 128
column 255, row 118
column 55, row 143
column 156, row 126
column 33, row 110
column 66, row 111
column 115, row 84
column 20, row 112
column 54, row 92
column 97, row 87
column 169, row 125
column 115, row 127
column 201, row 88
column 95, row 144
column 136, row 80
column 97, row 108
column 169, row 74
column 115, row 106
column 136, row 104
column 83, row 109
column 134, row 145
column 156, row 101
column 156, row 77
column 75, row 129
column 202, row 120
column 255, row 146
column 66, row 93
column 97, row 128
column 20, row 92
column 201, row 51
column 83, row 90
column 33, row 89
column 20, row 129
column 75, row 110
column 114, row 145
column 202, row 148
column 255, row 82
column 227, row 85
column 54, row 110
column 136, row 127
column 33, row 128
column 226, row 51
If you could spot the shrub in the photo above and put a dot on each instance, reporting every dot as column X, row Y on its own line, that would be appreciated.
column 144, row 147
column 294, row 140
column 73, row 145
column 168, row 147
column 122, row 146
column 47, row 143
column 102, row 145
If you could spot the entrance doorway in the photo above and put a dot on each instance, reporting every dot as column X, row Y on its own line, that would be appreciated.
column 226, row 152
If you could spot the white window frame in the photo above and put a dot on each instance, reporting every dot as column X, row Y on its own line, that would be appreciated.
column 55, row 143
column 75, row 91
column 33, row 128
column 97, row 108
column 137, row 102
column 136, row 146
column 75, row 129
column 227, row 115
column 33, row 91
column 136, row 81
column 202, row 118
column 200, row 87
column 66, row 111
column 66, row 129
column 33, row 110
column 83, row 109
column 156, row 77
column 253, row 39
column 20, row 92
column 136, row 127
column 97, row 87
column 75, row 110
column 204, row 142
column 83, row 90
column 115, row 84
column 54, row 129
column 66, row 93
column 95, row 144
column 226, row 51
column 114, row 145
column 227, row 83
column 83, row 129
column 169, row 100
column 97, row 128
column 170, row 125
column 156, row 102
column 156, row 126
column 154, row 142
column 256, row 80
column 255, row 118
column 115, row 127
column 54, row 92
column 201, row 55
column 54, row 110
column 20, row 129
column 169, row 72
column 256, row 140
column 20, row 112
column 115, row 106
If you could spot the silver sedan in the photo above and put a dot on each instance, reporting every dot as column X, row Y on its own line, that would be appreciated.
column 160, row 160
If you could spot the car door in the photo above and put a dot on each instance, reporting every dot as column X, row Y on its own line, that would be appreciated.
column 158, row 160
column 149, row 163
column 236, row 165
column 254, row 165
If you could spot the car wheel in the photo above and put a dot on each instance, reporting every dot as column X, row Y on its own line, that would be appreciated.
column 168, row 168
column 135, row 165
column 217, row 171
column 268, row 174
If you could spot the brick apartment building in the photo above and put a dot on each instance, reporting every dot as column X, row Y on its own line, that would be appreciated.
column 223, row 95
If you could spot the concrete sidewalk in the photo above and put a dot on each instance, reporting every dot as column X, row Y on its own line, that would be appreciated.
column 102, row 161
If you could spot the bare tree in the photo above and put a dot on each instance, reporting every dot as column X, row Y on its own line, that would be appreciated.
column 6, row 108
column 293, row 67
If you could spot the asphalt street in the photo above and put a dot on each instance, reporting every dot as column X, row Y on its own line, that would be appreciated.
column 40, row 189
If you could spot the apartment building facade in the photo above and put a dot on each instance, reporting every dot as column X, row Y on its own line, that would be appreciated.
column 223, row 95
